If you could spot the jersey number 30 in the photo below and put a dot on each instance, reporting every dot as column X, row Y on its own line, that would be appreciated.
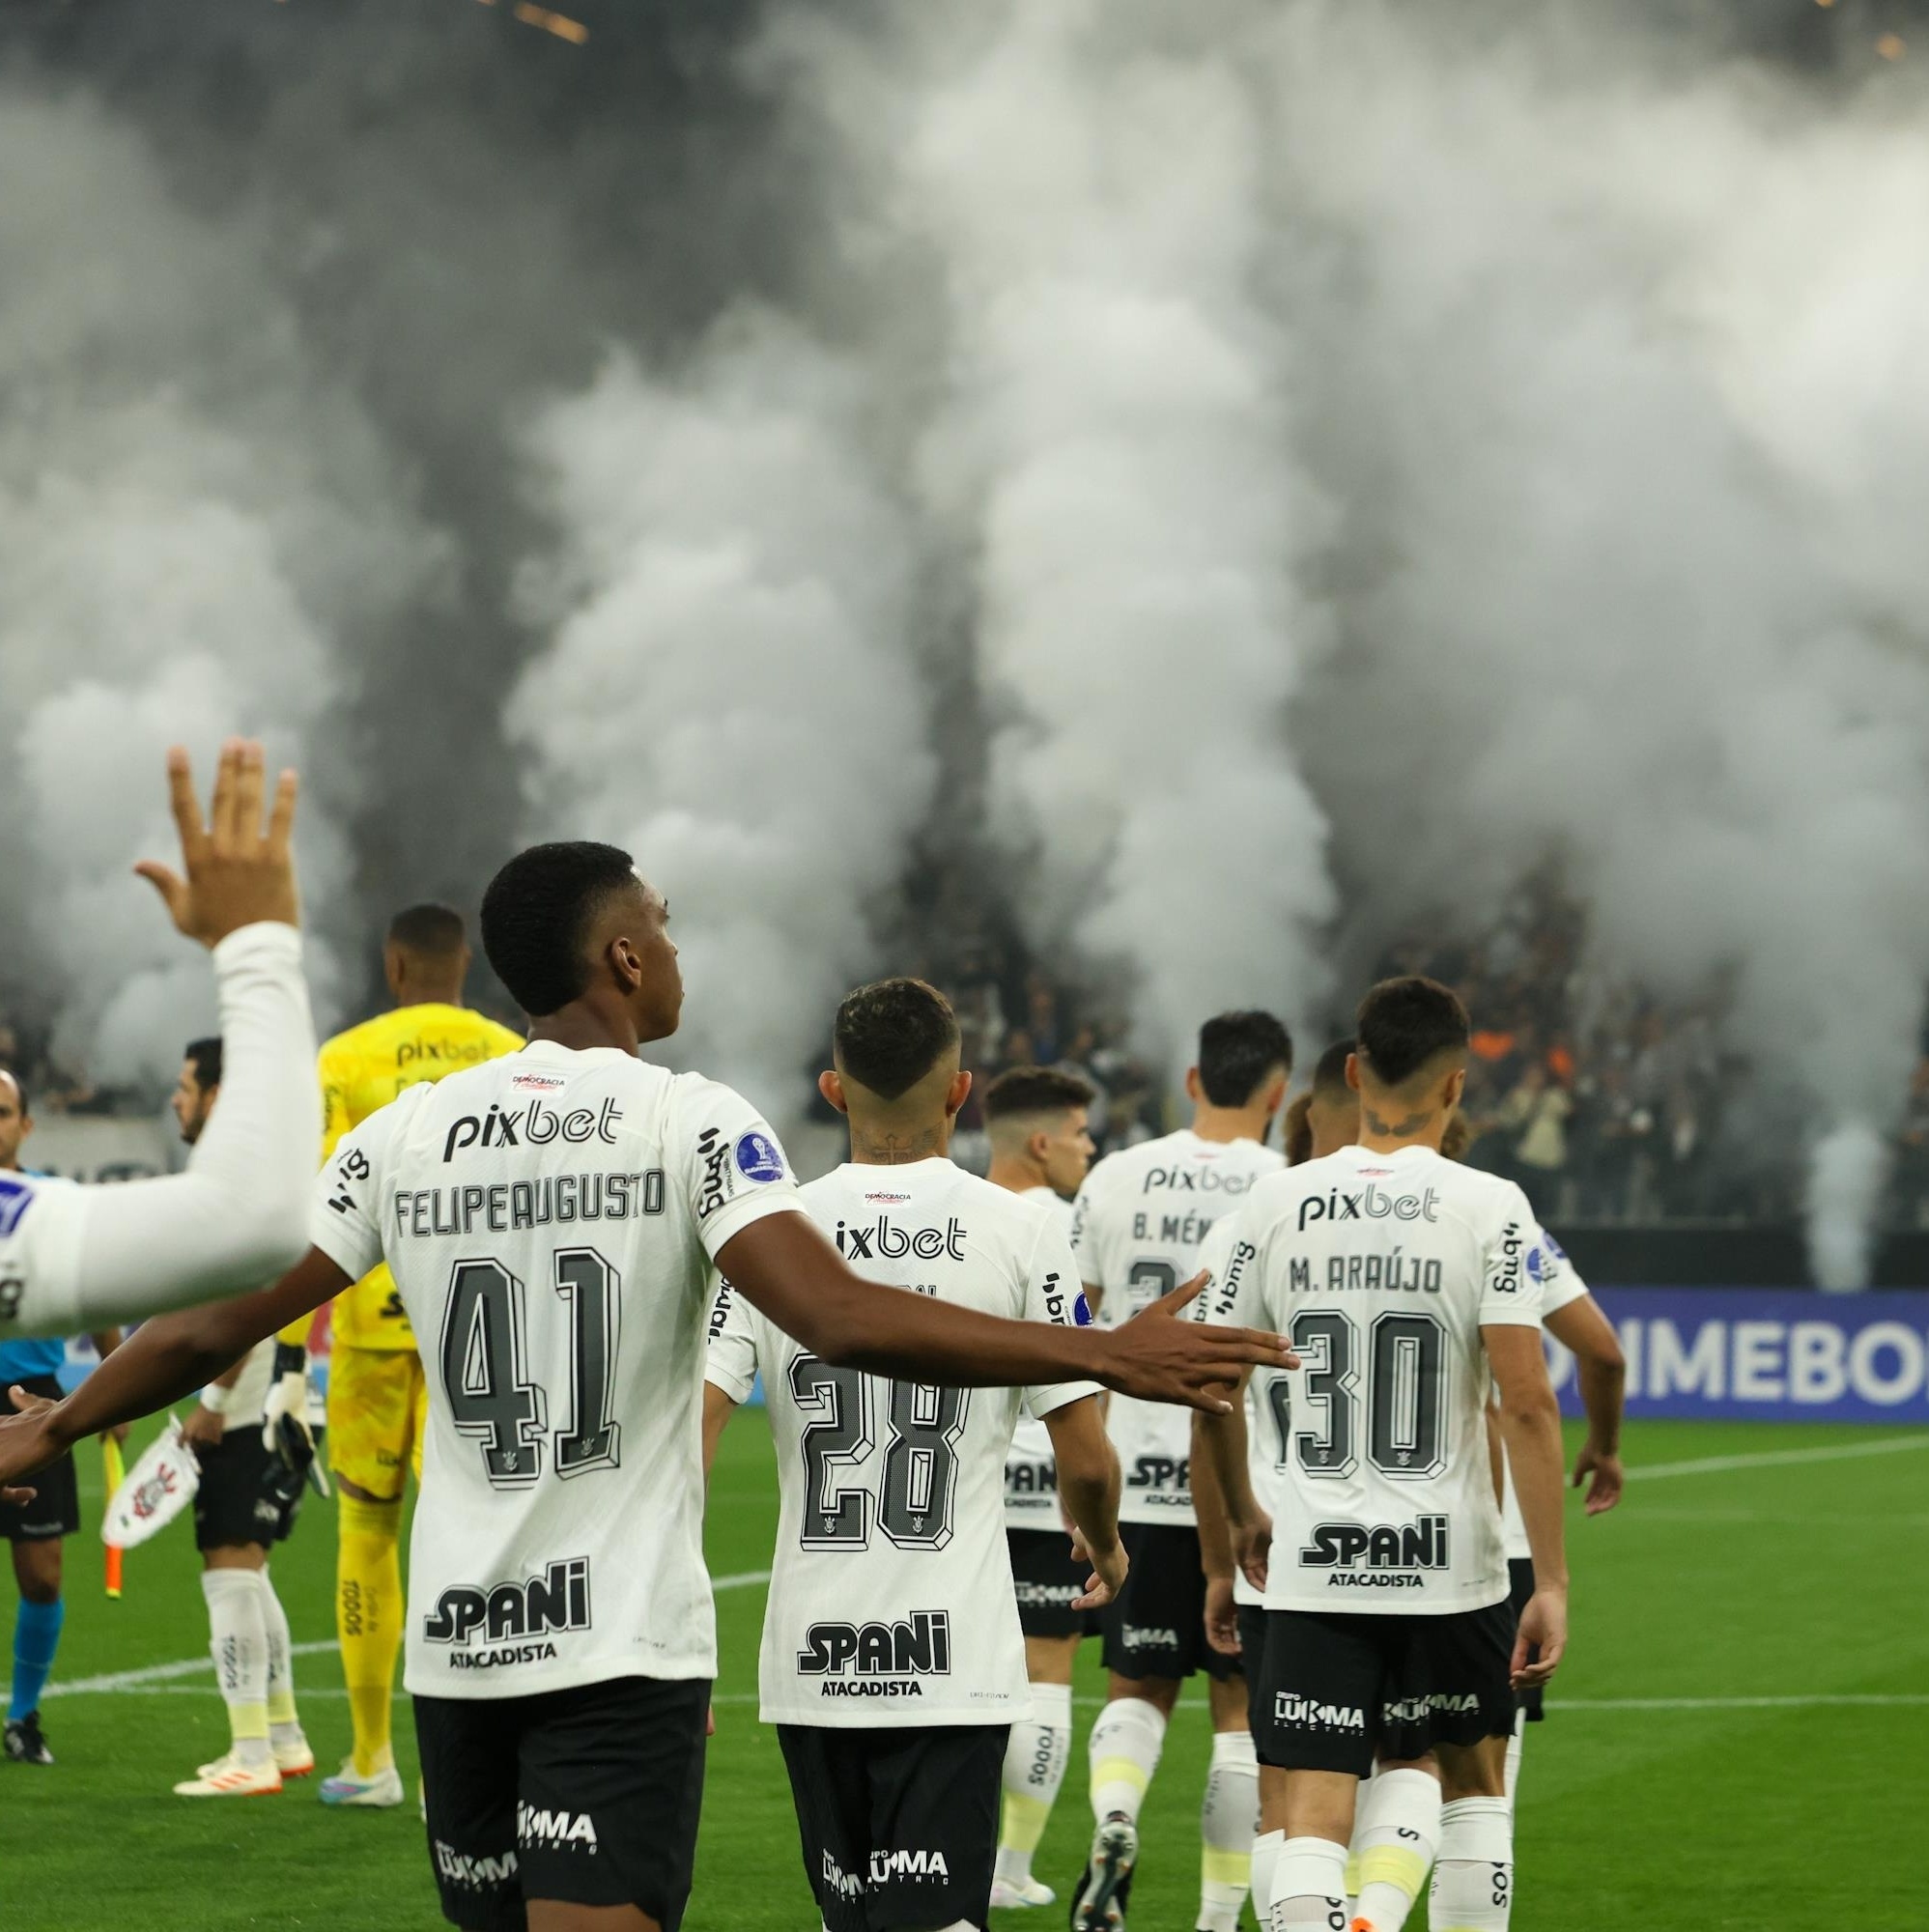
column 483, row 1363
column 1406, row 1387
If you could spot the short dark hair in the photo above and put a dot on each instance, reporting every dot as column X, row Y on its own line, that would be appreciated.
column 434, row 930
column 19, row 1092
column 1404, row 1025
column 205, row 1057
column 536, row 917
column 1035, row 1090
column 1236, row 1051
column 888, row 1035
column 1329, row 1076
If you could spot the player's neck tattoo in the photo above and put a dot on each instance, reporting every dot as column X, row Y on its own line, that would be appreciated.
column 1395, row 1130
column 881, row 1147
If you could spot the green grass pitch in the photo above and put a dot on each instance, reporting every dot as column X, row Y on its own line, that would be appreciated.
column 1658, row 1795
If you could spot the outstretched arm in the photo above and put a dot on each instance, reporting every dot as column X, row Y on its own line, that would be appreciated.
column 786, row 1268
column 164, row 1360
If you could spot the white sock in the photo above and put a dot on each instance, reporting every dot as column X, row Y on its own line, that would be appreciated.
column 1394, row 1839
column 240, row 1645
column 1035, row 1768
column 1229, row 1819
column 1124, row 1749
column 1514, row 1745
column 283, row 1724
column 1473, row 1877
column 1266, row 1848
column 1308, row 1887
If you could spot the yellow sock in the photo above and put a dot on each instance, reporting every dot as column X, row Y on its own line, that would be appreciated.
column 369, row 1609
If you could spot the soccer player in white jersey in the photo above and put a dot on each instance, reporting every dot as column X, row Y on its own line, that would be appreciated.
column 1397, row 1827
column 1139, row 1220
column 894, row 1663
column 1402, row 1278
column 74, row 1257
column 1037, row 1119
column 551, row 1219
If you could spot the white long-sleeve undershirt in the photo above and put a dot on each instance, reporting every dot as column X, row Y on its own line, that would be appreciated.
column 73, row 1259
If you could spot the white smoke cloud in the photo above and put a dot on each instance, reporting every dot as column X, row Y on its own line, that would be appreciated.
column 1111, row 459
column 176, row 515
column 1621, row 383
column 728, row 692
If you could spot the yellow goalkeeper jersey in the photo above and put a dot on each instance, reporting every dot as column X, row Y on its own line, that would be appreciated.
column 365, row 1068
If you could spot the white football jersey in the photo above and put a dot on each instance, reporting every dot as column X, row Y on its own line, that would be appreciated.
column 1227, row 1257
column 891, row 1595
column 1383, row 1268
column 1140, row 1219
column 550, row 1219
column 1030, row 1470
column 1560, row 1284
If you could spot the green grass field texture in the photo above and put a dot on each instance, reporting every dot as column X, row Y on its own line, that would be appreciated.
column 1796, row 1580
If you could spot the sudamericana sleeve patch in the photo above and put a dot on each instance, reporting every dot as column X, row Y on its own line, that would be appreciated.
column 760, row 1157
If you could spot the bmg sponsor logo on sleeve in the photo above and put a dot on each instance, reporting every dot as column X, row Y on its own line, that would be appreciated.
column 1778, row 1355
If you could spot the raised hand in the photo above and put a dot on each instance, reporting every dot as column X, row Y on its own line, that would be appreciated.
column 1160, row 1356
column 236, row 873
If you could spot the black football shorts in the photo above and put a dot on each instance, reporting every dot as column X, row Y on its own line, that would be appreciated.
column 1156, row 1627
column 899, row 1824
column 1343, row 1689
column 588, row 1796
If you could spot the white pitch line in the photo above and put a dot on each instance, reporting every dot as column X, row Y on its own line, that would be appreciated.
column 151, row 1675
column 1847, row 1699
column 1769, row 1458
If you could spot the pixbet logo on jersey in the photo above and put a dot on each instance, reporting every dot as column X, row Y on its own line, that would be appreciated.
column 557, row 1600
column 1394, row 1554
column 885, row 1241
column 882, row 1660
column 1373, row 1205
column 534, row 1125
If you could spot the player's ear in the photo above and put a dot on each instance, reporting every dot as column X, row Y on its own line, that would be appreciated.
column 1457, row 1085
column 1038, row 1147
column 957, row 1092
column 624, row 963
column 1193, row 1091
column 831, row 1084
column 1353, row 1071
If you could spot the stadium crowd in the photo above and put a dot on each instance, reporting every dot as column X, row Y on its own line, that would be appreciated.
column 1607, row 1102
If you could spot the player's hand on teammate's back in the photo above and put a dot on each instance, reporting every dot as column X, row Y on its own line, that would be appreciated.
column 1222, row 1616
column 1159, row 1355
column 23, row 1443
column 238, row 872
column 1544, row 1626
column 1604, row 1491
column 1108, row 1572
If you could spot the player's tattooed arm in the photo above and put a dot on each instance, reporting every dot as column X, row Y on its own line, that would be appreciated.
column 784, row 1266
column 164, row 1360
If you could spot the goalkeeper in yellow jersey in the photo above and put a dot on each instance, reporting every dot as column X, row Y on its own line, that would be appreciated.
column 377, row 1400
